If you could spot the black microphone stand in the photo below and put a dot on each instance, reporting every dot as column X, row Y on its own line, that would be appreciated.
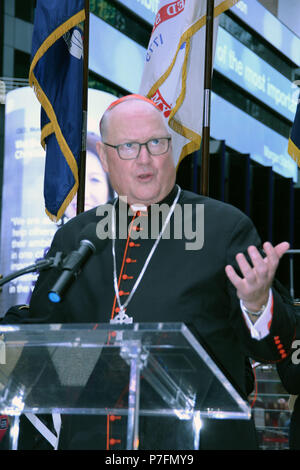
column 41, row 265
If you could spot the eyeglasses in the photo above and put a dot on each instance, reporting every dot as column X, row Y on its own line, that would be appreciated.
column 131, row 150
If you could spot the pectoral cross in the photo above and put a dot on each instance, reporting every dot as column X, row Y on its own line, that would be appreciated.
column 121, row 318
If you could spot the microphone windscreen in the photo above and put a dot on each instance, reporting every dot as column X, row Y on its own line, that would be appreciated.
column 89, row 233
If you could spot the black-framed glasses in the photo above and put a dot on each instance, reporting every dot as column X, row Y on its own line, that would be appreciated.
column 131, row 150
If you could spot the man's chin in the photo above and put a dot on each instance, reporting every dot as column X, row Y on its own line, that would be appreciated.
column 146, row 195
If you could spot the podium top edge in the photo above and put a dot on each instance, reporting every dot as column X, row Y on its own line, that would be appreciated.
column 43, row 327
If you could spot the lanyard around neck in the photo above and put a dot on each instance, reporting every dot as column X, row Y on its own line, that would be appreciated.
column 122, row 317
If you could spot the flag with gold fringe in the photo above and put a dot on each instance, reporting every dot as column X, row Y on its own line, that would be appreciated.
column 56, row 74
column 294, row 140
column 173, row 75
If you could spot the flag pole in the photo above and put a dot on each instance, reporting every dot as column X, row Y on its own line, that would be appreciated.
column 204, row 181
column 82, row 164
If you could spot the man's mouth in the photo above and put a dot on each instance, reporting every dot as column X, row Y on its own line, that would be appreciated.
column 145, row 177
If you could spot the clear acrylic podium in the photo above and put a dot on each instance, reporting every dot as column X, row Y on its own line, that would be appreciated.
column 159, row 369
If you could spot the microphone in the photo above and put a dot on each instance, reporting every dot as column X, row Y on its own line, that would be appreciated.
column 89, row 244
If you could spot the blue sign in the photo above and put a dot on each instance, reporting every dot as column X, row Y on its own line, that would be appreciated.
column 26, row 231
column 246, row 135
column 269, row 27
column 250, row 72
column 114, row 56
column 146, row 9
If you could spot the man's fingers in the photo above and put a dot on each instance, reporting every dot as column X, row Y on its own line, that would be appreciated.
column 281, row 248
column 262, row 268
column 273, row 254
column 276, row 251
column 257, row 278
column 259, row 265
column 232, row 276
column 245, row 268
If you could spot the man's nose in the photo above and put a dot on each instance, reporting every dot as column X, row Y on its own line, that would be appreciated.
column 144, row 154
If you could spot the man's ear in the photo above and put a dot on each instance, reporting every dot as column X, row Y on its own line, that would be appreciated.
column 102, row 155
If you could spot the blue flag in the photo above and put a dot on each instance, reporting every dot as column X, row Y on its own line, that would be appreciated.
column 294, row 140
column 56, row 74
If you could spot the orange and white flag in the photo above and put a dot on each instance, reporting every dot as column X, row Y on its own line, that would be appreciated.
column 173, row 75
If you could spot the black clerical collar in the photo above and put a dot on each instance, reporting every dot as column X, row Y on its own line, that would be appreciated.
column 170, row 197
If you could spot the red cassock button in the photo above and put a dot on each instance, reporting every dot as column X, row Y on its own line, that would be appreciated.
column 114, row 441
column 121, row 292
column 114, row 418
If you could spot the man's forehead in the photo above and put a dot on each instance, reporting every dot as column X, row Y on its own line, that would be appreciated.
column 127, row 104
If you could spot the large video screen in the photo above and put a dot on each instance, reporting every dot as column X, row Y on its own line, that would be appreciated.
column 26, row 231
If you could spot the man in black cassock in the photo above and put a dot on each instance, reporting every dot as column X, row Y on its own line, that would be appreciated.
column 221, row 288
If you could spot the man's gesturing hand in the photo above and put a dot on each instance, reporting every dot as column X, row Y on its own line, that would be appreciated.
column 253, row 288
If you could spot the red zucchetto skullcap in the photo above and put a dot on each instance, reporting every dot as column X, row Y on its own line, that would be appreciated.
column 128, row 98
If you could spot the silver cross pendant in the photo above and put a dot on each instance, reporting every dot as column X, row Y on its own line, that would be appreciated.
column 121, row 318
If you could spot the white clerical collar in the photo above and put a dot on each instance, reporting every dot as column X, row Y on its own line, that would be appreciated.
column 138, row 207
